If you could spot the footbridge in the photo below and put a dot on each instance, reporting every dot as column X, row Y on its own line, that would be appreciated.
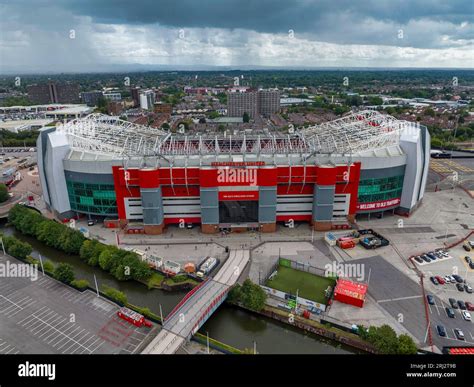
column 198, row 305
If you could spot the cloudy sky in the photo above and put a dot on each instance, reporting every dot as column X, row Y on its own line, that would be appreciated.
column 95, row 35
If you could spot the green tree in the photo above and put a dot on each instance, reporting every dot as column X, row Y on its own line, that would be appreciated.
column 49, row 231
column 430, row 112
column 246, row 117
column 252, row 295
column 70, row 240
column 213, row 115
column 106, row 258
column 102, row 105
column 64, row 273
column 80, row 284
column 16, row 248
column 406, row 345
column 375, row 101
column 3, row 193
column 384, row 338
column 234, row 294
column 115, row 294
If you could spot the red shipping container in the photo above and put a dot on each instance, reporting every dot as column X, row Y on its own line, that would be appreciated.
column 351, row 293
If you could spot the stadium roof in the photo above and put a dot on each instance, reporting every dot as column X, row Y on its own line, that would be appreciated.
column 102, row 134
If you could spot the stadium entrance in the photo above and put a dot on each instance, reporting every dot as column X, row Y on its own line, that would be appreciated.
column 238, row 212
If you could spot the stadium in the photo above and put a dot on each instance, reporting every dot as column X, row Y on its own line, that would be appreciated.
column 143, row 179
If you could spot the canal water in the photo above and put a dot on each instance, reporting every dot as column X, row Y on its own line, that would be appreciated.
column 228, row 324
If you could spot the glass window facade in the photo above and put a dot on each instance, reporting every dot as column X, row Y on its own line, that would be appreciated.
column 96, row 199
column 374, row 190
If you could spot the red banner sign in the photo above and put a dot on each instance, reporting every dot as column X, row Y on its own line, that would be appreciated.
column 237, row 163
column 378, row 205
column 238, row 195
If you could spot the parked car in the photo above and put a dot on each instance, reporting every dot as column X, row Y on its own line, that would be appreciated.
column 454, row 303
column 440, row 280
column 90, row 222
column 444, row 253
column 466, row 247
column 451, row 278
column 467, row 288
column 447, row 279
column 425, row 258
column 440, row 254
column 469, row 306
column 431, row 255
column 458, row 278
column 441, row 330
column 435, row 281
column 462, row 305
column 418, row 259
column 460, row 287
column 430, row 299
column 471, row 265
column 468, row 259
column 450, row 313
column 466, row 315
column 459, row 334
column 471, row 243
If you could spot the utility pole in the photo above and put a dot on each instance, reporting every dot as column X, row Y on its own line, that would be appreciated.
column 41, row 262
column 96, row 286
column 161, row 316
column 207, row 334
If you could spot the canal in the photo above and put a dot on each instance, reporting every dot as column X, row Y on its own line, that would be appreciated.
column 228, row 324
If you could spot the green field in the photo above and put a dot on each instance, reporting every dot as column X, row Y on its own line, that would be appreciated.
column 309, row 286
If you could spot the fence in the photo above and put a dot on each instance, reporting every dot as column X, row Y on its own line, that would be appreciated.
column 302, row 266
column 285, row 262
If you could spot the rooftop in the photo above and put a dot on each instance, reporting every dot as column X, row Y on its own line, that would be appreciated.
column 356, row 132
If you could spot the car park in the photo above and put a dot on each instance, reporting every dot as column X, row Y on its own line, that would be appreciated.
column 441, row 330
column 435, row 281
column 450, row 313
column 459, row 334
column 467, row 288
column 462, row 305
column 460, row 287
column 466, row 315
column 430, row 299
column 454, row 303
column 469, row 306
column 458, row 278
column 441, row 281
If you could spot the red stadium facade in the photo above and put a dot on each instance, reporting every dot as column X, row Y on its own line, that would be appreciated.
column 182, row 188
